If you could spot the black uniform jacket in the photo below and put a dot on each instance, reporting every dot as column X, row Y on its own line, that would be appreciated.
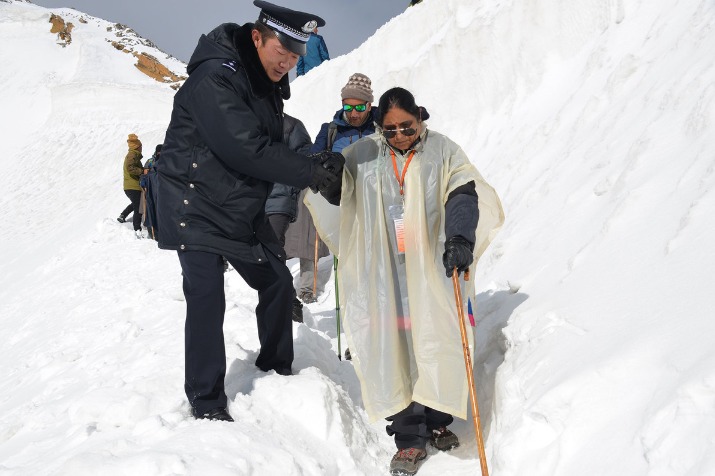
column 223, row 152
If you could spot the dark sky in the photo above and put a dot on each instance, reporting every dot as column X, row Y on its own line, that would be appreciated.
column 175, row 27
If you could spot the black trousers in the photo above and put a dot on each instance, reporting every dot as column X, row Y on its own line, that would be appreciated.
column 136, row 197
column 127, row 210
column 413, row 426
column 205, row 354
column 279, row 222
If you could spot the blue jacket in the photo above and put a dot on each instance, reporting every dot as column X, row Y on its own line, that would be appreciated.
column 345, row 133
column 316, row 53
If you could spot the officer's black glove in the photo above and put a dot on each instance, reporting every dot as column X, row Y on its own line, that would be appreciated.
column 457, row 252
column 329, row 161
column 332, row 161
column 321, row 178
column 333, row 192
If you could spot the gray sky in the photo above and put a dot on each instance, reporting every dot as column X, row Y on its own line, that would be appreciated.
column 175, row 27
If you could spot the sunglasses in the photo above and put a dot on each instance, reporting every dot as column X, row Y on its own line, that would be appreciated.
column 357, row 107
column 405, row 131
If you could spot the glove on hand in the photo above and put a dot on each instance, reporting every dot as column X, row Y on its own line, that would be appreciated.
column 321, row 178
column 333, row 192
column 457, row 252
column 330, row 162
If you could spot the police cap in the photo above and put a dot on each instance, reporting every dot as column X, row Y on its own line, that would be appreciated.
column 292, row 27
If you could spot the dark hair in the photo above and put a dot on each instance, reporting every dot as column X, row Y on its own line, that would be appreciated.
column 157, row 150
column 266, row 32
column 402, row 98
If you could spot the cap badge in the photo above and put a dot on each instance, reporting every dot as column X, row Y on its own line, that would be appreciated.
column 310, row 26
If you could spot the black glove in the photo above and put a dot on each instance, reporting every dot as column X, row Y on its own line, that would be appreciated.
column 333, row 192
column 457, row 252
column 333, row 161
column 321, row 178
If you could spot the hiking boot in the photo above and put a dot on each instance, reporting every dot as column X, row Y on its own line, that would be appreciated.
column 297, row 310
column 348, row 355
column 443, row 439
column 122, row 218
column 285, row 371
column 216, row 414
column 307, row 297
column 405, row 461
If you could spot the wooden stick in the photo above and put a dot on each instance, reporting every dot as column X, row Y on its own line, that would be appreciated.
column 315, row 267
column 470, row 376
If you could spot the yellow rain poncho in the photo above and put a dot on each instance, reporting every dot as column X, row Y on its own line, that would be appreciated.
column 399, row 310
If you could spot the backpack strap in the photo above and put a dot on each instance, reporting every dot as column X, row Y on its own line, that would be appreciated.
column 332, row 132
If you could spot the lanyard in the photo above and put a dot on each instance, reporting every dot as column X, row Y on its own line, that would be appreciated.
column 401, row 179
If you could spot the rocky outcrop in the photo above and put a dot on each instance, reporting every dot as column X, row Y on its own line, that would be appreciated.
column 150, row 66
column 127, row 41
column 63, row 30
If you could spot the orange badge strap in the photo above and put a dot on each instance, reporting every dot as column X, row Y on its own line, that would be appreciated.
column 401, row 180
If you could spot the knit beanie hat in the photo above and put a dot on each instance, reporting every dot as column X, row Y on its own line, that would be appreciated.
column 133, row 141
column 359, row 87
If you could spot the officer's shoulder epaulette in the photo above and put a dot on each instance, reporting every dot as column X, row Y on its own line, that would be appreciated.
column 230, row 64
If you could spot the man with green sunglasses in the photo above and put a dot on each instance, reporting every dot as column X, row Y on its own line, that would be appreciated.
column 353, row 121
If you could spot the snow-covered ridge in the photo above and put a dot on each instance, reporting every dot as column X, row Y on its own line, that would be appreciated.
column 86, row 93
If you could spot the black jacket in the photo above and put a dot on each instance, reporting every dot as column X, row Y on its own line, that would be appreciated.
column 284, row 198
column 223, row 152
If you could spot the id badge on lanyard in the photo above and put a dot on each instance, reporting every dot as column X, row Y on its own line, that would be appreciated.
column 397, row 212
column 397, row 215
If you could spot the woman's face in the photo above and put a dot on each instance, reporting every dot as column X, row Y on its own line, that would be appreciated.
column 400, row 128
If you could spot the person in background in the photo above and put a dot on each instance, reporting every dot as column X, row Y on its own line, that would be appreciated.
column 300, row 243
column 222, row 153
column 354, row 120
column 149, row 205
column 282, row 203
column 132, row 171
column 316, row 52
column 412, row 208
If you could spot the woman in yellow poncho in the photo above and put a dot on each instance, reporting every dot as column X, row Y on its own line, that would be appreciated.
column 411, row 208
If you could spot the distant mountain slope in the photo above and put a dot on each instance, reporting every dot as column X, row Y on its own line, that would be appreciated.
column 73, row 87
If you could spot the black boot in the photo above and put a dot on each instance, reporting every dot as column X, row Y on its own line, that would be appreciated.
column 121, row 218
column 218, row 414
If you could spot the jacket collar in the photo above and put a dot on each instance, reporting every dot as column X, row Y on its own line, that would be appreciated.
column 261, row 85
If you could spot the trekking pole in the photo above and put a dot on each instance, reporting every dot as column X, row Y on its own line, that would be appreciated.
column 468, row 365
column 315, row 267
column 337, row 304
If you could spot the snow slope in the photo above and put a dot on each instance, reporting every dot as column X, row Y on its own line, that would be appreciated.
column 594, row 120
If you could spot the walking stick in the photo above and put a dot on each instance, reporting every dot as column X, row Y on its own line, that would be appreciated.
column 315, row 267
column 337, row 304
column 470, row 376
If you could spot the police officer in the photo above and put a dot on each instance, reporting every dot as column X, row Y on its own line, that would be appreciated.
column 221, row 155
